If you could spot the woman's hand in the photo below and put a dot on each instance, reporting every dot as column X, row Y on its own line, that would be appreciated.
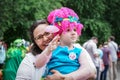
column 57, row 76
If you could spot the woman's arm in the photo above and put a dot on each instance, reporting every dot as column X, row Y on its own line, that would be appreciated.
column 87, row 68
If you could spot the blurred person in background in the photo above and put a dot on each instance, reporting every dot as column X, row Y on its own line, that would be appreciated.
column 14, row 56
column 106, row 60
column 113, row 47
column 2, row 54
column 91, row 47
column 2, row 57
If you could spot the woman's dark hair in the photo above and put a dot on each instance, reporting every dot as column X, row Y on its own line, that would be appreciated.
column 35, row 49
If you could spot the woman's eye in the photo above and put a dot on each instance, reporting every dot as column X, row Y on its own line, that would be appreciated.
column 40, row 37
column 46, row 34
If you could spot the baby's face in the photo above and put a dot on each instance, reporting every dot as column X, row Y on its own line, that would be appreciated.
column 70, row 36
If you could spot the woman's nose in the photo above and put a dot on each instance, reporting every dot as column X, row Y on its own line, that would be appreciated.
column 45, row 38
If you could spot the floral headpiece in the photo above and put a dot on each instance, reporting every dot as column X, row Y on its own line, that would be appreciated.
column 63, row 18
column 70, row 18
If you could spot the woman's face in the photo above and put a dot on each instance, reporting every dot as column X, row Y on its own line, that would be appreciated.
column 41, row 37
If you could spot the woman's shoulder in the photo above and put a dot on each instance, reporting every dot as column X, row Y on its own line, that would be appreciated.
column 29, row 57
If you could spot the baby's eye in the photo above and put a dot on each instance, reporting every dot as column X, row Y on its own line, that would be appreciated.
column 75, row 29
column 68, row 30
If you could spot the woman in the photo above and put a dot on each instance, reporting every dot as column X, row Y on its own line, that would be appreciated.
column 40, row 40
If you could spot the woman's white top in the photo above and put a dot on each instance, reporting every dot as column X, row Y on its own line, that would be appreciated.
column 27, row 71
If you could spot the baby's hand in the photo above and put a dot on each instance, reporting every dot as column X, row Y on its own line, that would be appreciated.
column 53, row 44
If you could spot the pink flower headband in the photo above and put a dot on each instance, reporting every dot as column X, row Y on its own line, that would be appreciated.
column 63, row 18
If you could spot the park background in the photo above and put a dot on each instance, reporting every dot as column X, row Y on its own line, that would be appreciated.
column 100, row 18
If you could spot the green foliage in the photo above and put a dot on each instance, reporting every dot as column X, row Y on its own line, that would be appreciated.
column 112, row 15
column 18, row 15
column 98, row 28
column 87, row 8
column 99, row 17
column 45, row 6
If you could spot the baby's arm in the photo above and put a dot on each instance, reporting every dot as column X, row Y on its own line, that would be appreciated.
column 45, row 56
column 42, row 59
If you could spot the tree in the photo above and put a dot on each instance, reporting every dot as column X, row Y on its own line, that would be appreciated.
column 98, row 17
column 112, row 15
column 18, row 15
